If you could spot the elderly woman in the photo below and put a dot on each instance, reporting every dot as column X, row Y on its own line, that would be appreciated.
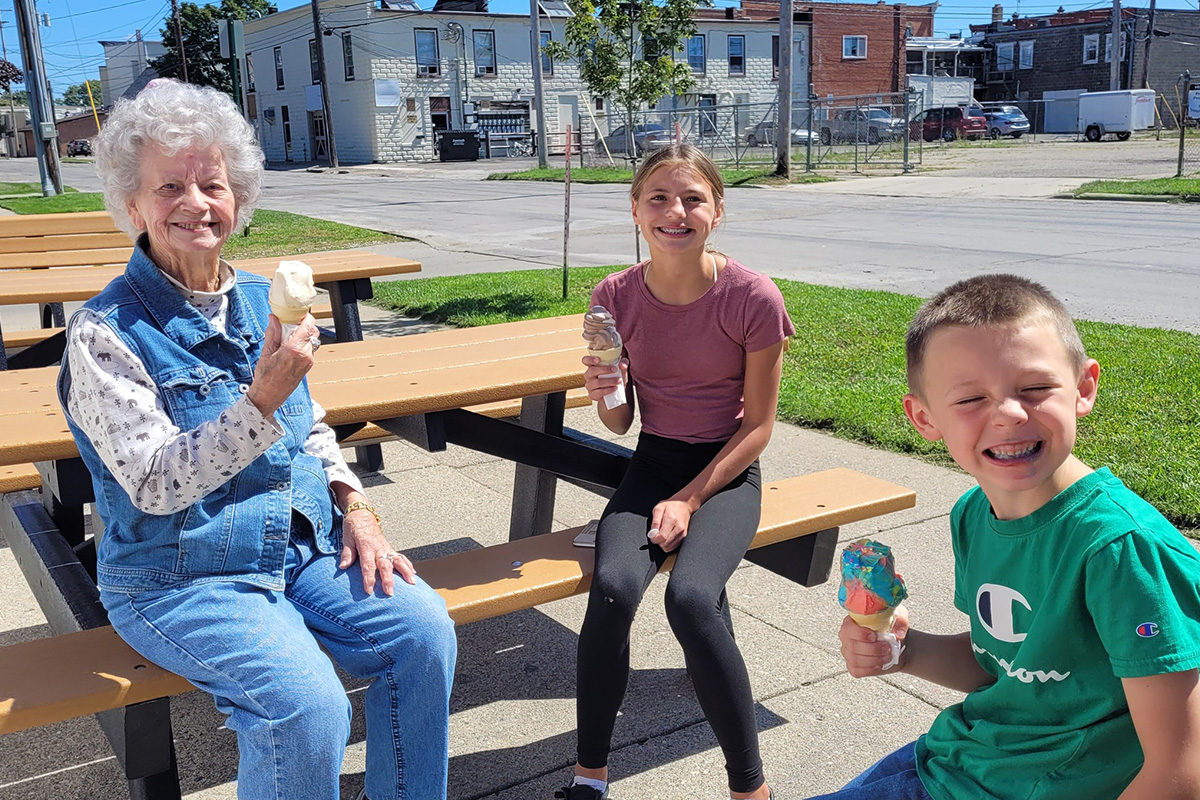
column 237, row 543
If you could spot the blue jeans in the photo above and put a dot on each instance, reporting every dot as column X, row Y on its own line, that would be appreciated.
column 893, row 777
column 258, row 652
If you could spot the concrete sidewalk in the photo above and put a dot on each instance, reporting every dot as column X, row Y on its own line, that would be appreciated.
column 512, row 734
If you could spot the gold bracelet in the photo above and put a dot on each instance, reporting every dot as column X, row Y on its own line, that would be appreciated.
column 360, row 505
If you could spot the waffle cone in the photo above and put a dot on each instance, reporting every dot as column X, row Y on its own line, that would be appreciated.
column 880, row 622
column 607, row 357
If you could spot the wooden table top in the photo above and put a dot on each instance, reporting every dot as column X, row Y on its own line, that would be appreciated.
column 70, row 222
column 365, row 381
column 69, row 284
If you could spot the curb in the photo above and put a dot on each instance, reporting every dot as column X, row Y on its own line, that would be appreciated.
column 1133, row 198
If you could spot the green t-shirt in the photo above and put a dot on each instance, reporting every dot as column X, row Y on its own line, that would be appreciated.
column 1093, row 587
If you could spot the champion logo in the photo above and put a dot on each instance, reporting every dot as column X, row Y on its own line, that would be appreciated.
column 1147, row 629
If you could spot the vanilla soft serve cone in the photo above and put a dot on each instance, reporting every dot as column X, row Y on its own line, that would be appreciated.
column 292, row 294
column 600, row 331
column 871, row 590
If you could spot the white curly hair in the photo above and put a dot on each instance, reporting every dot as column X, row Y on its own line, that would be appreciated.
column 176, row 117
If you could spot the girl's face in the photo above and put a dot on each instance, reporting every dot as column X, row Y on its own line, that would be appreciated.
column 676, row 210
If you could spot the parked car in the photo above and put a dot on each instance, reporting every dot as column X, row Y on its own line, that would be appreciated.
column 1006, row 121
column 764, row 133
column 79, row 147
column 645, row 138
column 861, row 124
column 948, row 123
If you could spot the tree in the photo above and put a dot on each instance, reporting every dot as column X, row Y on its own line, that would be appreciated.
column 200, row 26
column 10, row 73
column 625, row 49
column 19, row 98
column 77, row 94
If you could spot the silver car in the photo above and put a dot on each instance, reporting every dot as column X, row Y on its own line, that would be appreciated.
column 764, row 133
column 644, row 138
column 1006, row 121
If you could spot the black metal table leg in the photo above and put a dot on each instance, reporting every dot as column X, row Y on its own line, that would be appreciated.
column 807, row 560
column 343, row 301
column 534, row 489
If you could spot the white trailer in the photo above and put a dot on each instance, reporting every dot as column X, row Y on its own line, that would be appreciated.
column 1119, row 113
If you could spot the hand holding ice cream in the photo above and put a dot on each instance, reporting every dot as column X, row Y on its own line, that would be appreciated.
column 600, row 331
column 292, row 294
column 871, row 590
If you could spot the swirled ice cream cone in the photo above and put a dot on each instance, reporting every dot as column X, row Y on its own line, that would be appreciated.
column 292, row 294
column 604, row 342
column 871, row 590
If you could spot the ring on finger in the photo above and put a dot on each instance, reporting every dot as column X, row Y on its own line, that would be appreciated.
column 315, row 341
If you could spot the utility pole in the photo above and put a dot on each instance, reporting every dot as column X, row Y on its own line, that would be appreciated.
column 12, row 108
column 319, row 37
column 1114, row 51
column 783, row 125
column 179, row 40
column 44, row 132
column 535, row 51
column 1146, row 47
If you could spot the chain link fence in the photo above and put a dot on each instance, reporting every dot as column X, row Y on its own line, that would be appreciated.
column 827, row 133
column 1187, row 110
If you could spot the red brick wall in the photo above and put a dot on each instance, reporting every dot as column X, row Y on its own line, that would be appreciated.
column 884, row 26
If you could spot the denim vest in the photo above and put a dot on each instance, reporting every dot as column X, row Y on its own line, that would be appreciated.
column 239, row 530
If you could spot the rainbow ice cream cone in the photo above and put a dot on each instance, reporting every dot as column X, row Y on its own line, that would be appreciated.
column 600, row 331
column 871, row 590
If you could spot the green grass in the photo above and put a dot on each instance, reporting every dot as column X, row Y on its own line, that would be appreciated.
column 271, row 233
column 844, row 372
column 1177, row 187
column 69, row 200
column 9, row 188
column 277, row 233
column 731, row 175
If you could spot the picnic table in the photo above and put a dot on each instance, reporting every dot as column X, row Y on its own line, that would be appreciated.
column 433, row 389
column 344, row 274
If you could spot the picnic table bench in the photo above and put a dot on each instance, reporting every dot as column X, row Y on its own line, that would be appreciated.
column 433, row 389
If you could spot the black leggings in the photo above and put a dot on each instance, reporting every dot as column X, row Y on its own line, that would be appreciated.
column 626, row 562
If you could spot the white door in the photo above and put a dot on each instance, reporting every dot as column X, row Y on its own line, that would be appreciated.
column 568, row 114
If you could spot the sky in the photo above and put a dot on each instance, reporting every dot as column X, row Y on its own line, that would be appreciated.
column 73, row 54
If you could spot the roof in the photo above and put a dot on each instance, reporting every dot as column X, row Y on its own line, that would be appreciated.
column 939, row 45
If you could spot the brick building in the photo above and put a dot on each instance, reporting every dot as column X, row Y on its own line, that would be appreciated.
column 1071, row 52
column 858, row 48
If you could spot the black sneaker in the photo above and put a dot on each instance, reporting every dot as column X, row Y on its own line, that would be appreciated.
column 580, row 792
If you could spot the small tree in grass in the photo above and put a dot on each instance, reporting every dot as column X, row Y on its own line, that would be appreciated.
column 625, row 50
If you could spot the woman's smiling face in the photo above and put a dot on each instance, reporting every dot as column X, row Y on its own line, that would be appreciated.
column 185, row 203
column 676, row 209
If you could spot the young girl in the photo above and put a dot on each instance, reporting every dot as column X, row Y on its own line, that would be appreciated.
column 704, row 339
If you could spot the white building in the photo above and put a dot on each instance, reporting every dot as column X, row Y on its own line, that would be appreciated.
column 399, row 74
column 124, row 65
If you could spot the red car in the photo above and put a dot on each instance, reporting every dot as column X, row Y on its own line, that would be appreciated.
column 948, row 123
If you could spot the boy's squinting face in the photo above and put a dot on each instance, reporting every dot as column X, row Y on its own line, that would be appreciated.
column 1005, row 400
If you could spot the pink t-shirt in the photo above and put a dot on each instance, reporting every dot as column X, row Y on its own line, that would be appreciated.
column 689, row 362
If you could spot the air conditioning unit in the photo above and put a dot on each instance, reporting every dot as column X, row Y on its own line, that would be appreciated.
column 428, row 70
column 269, row 115
column 484, row 69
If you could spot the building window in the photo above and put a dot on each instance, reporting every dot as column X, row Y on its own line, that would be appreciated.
column 695, row 54
column 249, row 73
column 708, row 119
column 1108, row 47
column 314, row 65
column 650, row 51
column 278, row 67
column 439, row 113
column 287, row 133
column 737, row 55
column 347, row 57
column 1004, row 57
column 1091, row 48
column 485, row 52
column 854, row 47
column 775, row 57
column 599, row 103
column 1026, row 61
column 547, row 61
column 428, row 61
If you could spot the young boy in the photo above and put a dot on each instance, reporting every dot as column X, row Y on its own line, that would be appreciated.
column 1081, row 661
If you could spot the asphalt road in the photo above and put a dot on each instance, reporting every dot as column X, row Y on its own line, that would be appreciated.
column 1132, row 263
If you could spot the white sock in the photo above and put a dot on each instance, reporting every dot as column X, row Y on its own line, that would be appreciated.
column 592, row 782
